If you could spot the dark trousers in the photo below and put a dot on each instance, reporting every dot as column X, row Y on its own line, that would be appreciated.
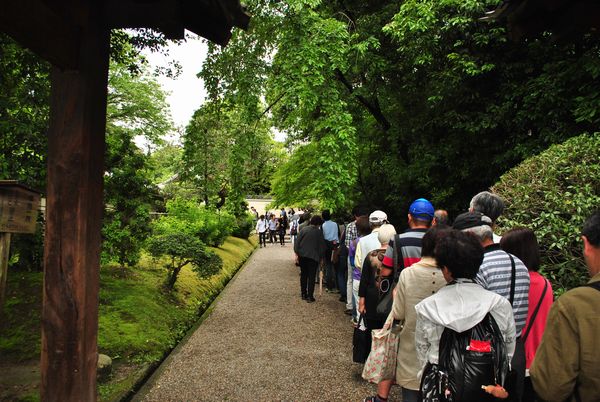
column 262, row 238
column 329, row 268
column 282, row 236
column 518, row 372
column 342, row 273
column 272, row 236
column 308, row 271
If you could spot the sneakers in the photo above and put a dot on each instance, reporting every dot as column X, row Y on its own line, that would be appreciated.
column 348, row 311
column 374, row 398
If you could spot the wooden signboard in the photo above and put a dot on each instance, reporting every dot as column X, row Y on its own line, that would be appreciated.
column 19, row 207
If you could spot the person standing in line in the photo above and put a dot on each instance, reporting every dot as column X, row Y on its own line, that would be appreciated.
column 273, row 229
column 566, row 366
column 375, row 280
column 363, row 229
column 417, row 282
column 440, row 217
column 505, row 274
column 371, row 241
column 310, row 250
column 340, row 263
column 304, row 221
column 522, row 243
column 331, row 233
column 491, row 205
column 261, row 229
column 351, row 235
column 461, row 304
column 405, row 249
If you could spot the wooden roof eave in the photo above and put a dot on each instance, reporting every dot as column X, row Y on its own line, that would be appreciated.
column 211, row 19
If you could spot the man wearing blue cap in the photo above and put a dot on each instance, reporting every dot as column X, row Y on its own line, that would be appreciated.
column 405, row 249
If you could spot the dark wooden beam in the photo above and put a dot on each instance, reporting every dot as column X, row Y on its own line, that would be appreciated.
column 37, row 27
column 74, row 216
column 162, row 15
column 211, row 19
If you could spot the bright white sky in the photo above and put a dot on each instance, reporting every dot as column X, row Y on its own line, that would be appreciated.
column 185, row 93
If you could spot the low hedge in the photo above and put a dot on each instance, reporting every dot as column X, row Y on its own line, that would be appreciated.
column 553, row 193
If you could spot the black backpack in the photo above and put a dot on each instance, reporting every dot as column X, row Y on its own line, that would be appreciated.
column 467, row 360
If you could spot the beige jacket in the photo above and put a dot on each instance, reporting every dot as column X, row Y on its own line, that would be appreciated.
column 569, row 355
column 417, row 282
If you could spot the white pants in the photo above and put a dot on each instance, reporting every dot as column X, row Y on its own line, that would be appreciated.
column 355, row 286
column 349, row 304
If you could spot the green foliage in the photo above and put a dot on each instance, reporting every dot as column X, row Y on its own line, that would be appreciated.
column 384, row 102
column 244, row 225
column 553, row 193
column 189, row 217
column 182, row 249
column 136, row 109
column 228, row 153
column 183, row 233
column 24, row 112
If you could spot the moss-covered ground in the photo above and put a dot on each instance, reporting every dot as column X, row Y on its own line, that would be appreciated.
column 139, row 321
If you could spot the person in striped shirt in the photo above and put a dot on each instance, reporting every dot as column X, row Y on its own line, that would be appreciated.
column 405, row 249
column 506, row 275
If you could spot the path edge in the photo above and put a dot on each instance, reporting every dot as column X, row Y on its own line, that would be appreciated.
column 150, row 374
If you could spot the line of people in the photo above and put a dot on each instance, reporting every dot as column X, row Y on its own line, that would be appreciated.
column 442, row 286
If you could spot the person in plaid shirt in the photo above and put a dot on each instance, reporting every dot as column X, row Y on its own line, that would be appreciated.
column 352, row 234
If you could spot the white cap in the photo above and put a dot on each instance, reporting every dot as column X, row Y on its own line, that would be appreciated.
column 378, row 217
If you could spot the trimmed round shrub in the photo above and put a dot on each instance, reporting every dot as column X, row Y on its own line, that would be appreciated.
column 553, row 193
column 243, row 226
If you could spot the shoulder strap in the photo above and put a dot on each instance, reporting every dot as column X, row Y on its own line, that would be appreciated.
column 398, row 259
column 537, row 308
column 512, row 278
column 595, row 285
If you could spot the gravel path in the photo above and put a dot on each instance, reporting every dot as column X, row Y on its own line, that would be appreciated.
column 263, row 343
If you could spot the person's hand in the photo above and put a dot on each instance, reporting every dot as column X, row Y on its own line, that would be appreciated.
column 361, row 305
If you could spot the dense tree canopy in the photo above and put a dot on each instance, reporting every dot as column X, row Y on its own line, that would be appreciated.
column 387, row 101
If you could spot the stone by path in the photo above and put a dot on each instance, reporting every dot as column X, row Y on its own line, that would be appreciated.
column 263, row 343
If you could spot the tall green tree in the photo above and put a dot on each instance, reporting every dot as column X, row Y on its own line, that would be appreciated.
column 386, row 101
column 136, row 109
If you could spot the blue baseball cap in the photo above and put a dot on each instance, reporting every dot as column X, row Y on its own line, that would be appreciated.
column 421, row 208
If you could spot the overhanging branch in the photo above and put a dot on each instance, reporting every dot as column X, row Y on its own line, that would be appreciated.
column 373, row 108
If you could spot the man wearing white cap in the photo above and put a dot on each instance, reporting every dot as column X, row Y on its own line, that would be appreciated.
column 370, row 242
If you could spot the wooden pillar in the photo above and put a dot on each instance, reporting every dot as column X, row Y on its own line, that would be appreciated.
column 74, row 213
column 4, row 251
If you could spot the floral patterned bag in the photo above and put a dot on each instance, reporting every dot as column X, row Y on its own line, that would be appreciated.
column 381, row 363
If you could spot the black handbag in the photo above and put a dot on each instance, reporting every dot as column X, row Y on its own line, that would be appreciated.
column 361, row 343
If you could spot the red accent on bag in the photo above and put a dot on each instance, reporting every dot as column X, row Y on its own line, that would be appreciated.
column 480, row 346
